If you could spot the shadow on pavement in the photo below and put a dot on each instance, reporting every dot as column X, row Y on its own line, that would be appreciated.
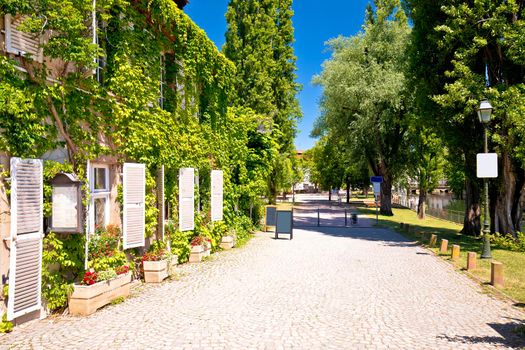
column 386, row 236
column 509, row 336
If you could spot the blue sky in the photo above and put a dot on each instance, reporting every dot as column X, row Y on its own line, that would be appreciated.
column 314, row 24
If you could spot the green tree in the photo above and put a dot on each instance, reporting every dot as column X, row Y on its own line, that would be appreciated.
column 364, row 99
column 259, row 41
column 425, row 162
column 328, row 169
column 463, row 52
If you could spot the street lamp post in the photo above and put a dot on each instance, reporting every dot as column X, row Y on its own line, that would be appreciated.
column 484, row 114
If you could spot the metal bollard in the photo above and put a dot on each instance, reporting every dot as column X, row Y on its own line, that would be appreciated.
column 346, row 218
column 318, row 218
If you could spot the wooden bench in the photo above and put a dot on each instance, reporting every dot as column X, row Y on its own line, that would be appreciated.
column 371, row 204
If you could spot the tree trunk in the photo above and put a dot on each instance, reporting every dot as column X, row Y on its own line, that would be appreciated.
column 386, row 196
column 471, row 221
column 272, row 198
column 422, row 203
column 508, row 202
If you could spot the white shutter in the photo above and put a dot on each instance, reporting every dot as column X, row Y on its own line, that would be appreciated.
column 160, row 202
column 134, row 190
column 21, row 43
column 217, row 183
column 25, row 261
column 186, row 199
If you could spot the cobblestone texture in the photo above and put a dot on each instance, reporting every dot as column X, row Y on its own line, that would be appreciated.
column 328, row 288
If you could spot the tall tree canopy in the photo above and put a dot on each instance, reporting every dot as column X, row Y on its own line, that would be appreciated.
column 259, row 41
column 365, row 101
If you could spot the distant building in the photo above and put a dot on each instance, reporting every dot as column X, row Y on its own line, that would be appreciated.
column 305, row 185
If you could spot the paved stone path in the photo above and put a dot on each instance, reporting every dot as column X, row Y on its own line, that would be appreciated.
column 328, row 288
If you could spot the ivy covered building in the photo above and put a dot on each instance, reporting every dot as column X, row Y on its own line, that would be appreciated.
column 91, row 89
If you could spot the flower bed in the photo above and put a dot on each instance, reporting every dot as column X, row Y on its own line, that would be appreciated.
column 157, row 264
column 86, row 299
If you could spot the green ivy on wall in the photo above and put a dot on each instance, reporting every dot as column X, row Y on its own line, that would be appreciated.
column 124, row 115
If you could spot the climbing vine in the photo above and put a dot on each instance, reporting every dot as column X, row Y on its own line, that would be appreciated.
column 158, row 93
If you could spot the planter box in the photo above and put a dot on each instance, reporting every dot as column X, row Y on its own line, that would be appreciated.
column 155, row 271
column 227, row 242
column 197, row 253
column 85, row 300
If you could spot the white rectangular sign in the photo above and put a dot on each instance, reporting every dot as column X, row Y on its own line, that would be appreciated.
column 377, row 188
column 64, row 207
column 487, row 165
column 186, row 199
column 217, row 184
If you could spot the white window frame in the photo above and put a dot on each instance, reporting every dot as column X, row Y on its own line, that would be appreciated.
column 97, row 193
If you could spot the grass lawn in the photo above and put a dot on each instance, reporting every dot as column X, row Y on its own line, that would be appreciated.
column 514, row 262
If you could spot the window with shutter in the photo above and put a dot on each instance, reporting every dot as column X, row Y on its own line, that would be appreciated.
column 99, row 196
column 19, row 42
column 25, row 261
column 216, row 195
column 134, row 191
column 186, row 199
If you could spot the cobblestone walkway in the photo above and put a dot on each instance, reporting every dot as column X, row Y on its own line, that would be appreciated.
column 328, row 288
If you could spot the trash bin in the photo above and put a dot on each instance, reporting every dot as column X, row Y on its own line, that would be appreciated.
column 354, row 218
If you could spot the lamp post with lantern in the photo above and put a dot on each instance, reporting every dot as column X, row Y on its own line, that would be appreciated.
column 484, row 113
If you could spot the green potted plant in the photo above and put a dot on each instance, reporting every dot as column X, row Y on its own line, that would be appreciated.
column 157, row 263
column 197, row 249
column 108, row 277
column 98, row 289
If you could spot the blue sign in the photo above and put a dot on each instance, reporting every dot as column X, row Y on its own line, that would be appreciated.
column 376, row 179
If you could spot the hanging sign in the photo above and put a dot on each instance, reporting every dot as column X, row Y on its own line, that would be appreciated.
column 66, row 204
column 378, row 179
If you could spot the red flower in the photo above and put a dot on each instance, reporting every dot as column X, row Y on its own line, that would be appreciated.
column 196, row 241
column 150, row 257
column 122, row 269
column 89, row 278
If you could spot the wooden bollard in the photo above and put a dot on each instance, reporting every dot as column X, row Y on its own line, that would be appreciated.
column 402, row 225
column 455, row 252
column 471, row 261
column 444, row 246
column 496, row 274
column 433, row 240
column 407, row 227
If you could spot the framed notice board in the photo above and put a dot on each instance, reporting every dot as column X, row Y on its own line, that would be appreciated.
column 284, row 222
column 270, row 217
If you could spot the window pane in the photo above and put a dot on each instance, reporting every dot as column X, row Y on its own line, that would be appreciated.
column 100, row 178
column 100, row 212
